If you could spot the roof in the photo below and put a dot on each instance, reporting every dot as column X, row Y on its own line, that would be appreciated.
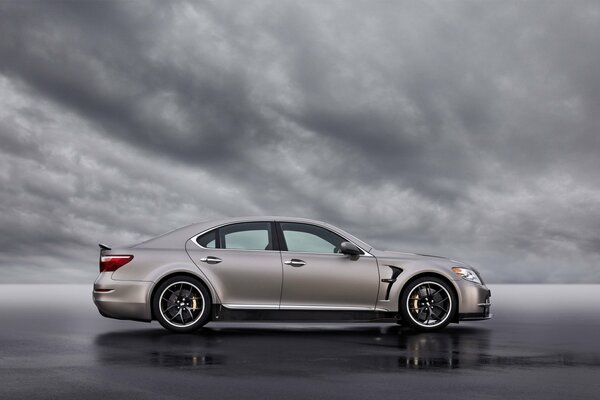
column 178, row 236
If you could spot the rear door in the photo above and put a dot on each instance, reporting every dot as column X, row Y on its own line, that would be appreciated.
column 242, row 262
column 317, row 276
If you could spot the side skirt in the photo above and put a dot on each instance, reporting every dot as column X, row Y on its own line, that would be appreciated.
column 221, row 313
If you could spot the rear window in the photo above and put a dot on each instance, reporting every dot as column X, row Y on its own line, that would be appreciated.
column 208, row 240
column 242, row 236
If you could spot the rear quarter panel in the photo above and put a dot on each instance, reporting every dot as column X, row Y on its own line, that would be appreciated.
column 151, row 265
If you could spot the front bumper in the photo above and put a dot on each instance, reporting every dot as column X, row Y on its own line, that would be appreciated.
column 122, row 299
column 475, row 301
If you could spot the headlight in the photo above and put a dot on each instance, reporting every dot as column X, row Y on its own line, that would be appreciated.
column 466, row 274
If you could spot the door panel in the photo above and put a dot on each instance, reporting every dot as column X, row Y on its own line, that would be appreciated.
column 329, row 281
column 239, row 261
column 316, row 275
column 242, row 278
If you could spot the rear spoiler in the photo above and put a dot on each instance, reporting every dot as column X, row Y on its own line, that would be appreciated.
column 103, row 246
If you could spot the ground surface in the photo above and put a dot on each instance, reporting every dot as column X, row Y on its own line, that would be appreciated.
column 543, row 343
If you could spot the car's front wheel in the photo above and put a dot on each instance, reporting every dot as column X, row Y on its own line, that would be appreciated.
column 427, row 304
column 181, row 304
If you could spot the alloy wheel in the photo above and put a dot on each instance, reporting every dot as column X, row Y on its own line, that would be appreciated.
column 181, row 304
column 429, row 304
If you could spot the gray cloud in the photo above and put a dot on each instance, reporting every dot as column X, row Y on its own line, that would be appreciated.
column 462, row 129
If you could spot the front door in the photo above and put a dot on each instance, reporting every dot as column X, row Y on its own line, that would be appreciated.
column 317, row 276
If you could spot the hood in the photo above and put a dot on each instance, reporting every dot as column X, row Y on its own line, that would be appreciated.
column 401, row 256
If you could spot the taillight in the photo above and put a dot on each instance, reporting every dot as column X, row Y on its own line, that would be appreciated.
column 113, row 262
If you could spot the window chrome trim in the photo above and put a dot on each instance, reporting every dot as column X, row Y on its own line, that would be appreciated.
column 195, row 237
column 367, row 254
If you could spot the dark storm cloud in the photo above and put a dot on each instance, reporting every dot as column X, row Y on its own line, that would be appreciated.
column 106, row 76
column 462, row 128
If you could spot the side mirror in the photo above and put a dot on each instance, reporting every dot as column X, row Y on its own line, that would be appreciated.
column 350, row 249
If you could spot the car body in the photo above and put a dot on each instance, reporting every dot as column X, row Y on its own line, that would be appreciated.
column 279, row 268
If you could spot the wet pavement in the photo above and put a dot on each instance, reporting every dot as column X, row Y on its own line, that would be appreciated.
column 543, row 342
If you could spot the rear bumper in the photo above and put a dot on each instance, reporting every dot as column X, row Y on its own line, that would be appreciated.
column 122, row 299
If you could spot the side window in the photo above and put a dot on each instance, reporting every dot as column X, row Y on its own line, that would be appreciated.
column 310, row 238
column 208, row 240
column 246, row 236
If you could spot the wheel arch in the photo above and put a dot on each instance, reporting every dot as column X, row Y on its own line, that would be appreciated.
column 440, row 276
column 179, row 273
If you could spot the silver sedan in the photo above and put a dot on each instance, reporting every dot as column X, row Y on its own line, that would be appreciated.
column 274, row 268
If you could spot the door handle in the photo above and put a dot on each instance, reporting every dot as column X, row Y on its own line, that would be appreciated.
column 294, row 262
column 211, row 260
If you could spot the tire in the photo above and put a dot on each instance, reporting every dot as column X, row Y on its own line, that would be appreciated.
column 181, row 304
column 428, row 304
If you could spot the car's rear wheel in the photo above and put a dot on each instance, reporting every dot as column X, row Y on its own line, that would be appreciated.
column 428, row 304
column 181, row 304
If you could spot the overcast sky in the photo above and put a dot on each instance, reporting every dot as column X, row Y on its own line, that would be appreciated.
column 467, row 129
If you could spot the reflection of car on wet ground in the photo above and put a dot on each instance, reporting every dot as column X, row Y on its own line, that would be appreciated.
column 271, row 268
column 273, row 349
